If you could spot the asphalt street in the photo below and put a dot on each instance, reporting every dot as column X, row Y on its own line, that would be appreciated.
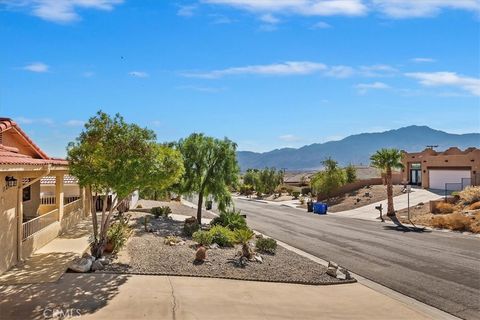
column 441, row 269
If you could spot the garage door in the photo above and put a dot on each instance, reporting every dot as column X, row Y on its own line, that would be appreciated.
column 438, row 178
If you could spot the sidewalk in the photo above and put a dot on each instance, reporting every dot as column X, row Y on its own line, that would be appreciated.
column 104, row 296
column 50, row 262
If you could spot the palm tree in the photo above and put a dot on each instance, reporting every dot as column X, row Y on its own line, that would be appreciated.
column 386, row 160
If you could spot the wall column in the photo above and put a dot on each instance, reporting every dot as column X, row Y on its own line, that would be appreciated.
column 19, row 217
column 59, row 194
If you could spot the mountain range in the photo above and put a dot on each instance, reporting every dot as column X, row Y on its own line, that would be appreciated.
column 356, row 149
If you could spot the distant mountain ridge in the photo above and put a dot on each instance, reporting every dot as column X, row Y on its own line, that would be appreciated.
column 356, row 149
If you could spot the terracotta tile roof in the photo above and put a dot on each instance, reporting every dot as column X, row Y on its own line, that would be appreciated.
column 67, row 179
column 10, row 155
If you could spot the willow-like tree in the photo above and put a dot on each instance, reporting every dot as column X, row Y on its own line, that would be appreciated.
column 328, row 180
column 112, row 157
column 387, row 160
column 210, row 169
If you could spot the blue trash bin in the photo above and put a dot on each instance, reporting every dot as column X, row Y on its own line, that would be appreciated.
column 320, row 208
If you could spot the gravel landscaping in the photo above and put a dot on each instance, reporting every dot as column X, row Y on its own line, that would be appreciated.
column 146, row 253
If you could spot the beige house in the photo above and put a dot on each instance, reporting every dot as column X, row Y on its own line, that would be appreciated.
column 27, row 220
column 452, row 169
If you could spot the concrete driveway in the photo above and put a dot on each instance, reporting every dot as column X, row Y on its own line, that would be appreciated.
column 400, row 202
column 104, row 296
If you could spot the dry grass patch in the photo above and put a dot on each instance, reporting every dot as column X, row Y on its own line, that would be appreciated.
column 444, row 208
column 458, row 222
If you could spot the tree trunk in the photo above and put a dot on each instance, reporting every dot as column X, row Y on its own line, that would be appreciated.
column 388, row 178
column 199, row 207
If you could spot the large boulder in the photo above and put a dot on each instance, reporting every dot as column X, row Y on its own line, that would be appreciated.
column 81, row 265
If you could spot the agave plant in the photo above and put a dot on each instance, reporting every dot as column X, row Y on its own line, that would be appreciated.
column 243, row 236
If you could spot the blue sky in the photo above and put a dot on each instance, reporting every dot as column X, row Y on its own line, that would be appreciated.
column 265, row 73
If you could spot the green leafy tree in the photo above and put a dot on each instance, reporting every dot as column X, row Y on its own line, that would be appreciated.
column 387, row 160
column 111, row 156
column 327, row 181
column 263, row 181
column 210, row 169
column 350, row 174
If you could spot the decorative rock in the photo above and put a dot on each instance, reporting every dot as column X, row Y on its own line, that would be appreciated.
column 201, row 254
column 258, row 258
column 214, row 246
column 104, row 261
column 97, row 265
column 332, row 269
column 82, row 265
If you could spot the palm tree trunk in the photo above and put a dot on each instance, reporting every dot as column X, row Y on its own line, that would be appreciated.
column 388, row 178
column 199, row 207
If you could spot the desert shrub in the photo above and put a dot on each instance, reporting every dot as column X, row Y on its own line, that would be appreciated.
column 455, row 221
column 230, row 219
column 118, row 234
column 470, row 195
column 242, row 236
column 190, row 226
column 296, row 194
column 302, row 200
column 474, row 206
column 202, row 237
column 161, row 211
column 444, row 207
column 222, row 236
column 306, row 191
column 266, row 245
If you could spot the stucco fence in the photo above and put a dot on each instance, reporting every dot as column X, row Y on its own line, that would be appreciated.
column 72, row 214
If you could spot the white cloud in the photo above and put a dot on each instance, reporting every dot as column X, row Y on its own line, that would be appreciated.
column 392, row 8
column 299, row 68
column 60, row 11
column 452, row 79
column 74, row 123
column 422, row 8
column 269, row 18
column 377, row 70
column 301, row 7
column 187, row 11
column 138, row 74
column 422, row 60
column 278, row 69
column 321, row 25
column 340, row 71
column 363, row 88
column 39, row 67
column 289, row 138
column 24, row 120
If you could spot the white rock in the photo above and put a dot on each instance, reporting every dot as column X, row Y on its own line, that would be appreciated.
column 258, row 258
column 82, row 265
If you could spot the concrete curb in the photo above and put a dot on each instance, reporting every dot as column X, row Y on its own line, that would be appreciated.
column 411, row 302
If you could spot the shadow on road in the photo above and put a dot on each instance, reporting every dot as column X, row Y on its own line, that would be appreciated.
column 403, row 228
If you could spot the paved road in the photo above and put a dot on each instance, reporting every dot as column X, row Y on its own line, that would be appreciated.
column 441, row 269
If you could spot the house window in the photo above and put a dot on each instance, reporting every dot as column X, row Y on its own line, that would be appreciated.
column 27, row 194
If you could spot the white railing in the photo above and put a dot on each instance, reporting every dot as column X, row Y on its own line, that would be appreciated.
column 33, row 226
column 53, row 200
column 47, row 200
